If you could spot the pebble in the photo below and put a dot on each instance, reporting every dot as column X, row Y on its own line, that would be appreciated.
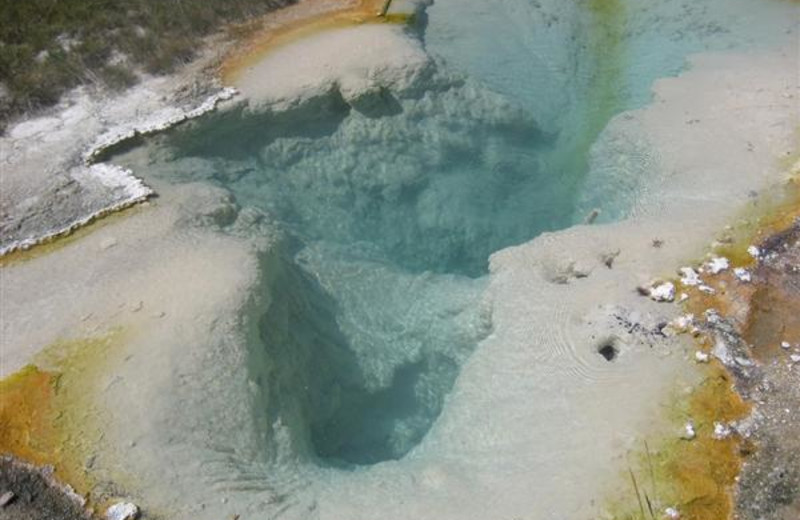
column 785, row 344
column 754, row 252
column 688, row 432
column 689, row 276
column 6, row 498
column 122, row 511
column 683, row 322
column 672, row 513
column 108, row 243
column 718, row 264
column 664, row 292
column 701, row 357
column 721, row 431
column 742, row 274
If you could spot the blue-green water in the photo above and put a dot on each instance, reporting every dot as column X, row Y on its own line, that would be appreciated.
column 391, row 212
column 439, row 187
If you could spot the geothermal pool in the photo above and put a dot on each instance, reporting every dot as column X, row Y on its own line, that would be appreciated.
column 385, row 206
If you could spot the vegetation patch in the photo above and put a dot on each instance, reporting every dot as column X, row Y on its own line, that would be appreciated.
column 50, row 46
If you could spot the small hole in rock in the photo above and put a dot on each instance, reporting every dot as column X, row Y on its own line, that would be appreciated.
column 608, row 351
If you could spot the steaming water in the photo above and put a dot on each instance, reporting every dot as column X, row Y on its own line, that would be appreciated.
column 390, row 211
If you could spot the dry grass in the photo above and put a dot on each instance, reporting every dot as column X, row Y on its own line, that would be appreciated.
column 49, row 46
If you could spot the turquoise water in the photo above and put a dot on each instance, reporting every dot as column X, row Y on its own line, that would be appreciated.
column 390, row 213
column 439, row 187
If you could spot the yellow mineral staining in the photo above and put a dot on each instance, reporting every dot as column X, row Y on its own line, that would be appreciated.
column 769, row 212
column 693, row 475
column 607, row 44
column 58, row 242
column 700, row 474
column 754, row 308
column 26, row 415
column 764, row 312
column 302, row 20
column 767, row 312
column 48, row 411
column 606, row 29
column 696, row 476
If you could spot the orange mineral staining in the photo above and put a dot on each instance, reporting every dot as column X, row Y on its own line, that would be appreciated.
column 27, row 417
column 49, row 416
column 301, row 20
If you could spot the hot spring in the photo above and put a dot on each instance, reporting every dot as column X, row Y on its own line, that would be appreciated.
column 385, row 205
